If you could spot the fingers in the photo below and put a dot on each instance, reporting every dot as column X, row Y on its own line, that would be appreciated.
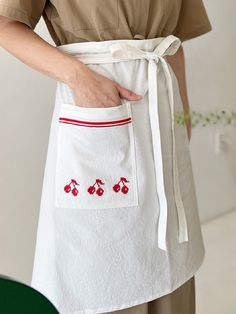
column 127, row 94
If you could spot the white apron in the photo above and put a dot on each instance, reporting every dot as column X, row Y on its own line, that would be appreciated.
column 118, row 223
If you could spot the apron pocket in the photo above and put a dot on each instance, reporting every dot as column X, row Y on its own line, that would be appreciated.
column 96, row 164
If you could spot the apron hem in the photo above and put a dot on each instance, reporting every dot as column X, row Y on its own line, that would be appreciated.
column 141, row 301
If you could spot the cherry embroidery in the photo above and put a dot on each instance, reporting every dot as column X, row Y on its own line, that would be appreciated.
column 124, row 188
column 99, row 190
column 74, row 190
column 71, row 187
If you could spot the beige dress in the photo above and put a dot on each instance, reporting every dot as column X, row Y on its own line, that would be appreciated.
column 89, row 20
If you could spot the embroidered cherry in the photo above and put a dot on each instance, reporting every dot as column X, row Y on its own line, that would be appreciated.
column 91, row 189
column 74, row 191
column 116, row 187
column 124, row 189
column 99, row 190
column 67, row 188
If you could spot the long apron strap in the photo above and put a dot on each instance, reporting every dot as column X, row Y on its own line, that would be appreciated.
column 126, row 51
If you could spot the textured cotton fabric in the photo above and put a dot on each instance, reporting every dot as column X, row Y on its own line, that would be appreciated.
column 94, row 20
column 91, row 257
column 180, row 301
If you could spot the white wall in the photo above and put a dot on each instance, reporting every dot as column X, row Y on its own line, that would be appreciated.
column 26, row 104
column 211, row 70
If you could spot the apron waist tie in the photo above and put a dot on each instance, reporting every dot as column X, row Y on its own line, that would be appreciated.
column 168, row 46
column 125, row 51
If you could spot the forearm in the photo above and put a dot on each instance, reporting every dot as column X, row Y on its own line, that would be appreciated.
column 19, row 40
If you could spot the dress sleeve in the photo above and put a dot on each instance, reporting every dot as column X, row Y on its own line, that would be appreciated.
column 25, row 11
column 193, row 20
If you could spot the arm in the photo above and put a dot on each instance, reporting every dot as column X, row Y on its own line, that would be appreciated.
column 177, row 63
column 89, row 87
column 19, row 40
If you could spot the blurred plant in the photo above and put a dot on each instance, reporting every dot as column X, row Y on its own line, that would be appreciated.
column 206, row 118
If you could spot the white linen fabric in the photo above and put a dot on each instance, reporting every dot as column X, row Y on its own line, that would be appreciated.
column 119, row 222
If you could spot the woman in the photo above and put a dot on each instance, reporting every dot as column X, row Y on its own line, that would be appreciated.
column 118, row 229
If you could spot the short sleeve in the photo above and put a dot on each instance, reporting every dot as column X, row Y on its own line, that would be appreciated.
column 25, row 11
column 193, row 20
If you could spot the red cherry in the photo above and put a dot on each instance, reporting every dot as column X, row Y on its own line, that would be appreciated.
column 116, row 188
column 99, row 191
column 67, row 188
column 74, row 191
column 124, row 189
column 91, row 189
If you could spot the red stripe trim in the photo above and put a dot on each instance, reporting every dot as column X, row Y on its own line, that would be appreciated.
column 96, row 126
column 94, row 122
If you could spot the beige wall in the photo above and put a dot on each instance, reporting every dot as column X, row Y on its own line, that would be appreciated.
column 26, row 104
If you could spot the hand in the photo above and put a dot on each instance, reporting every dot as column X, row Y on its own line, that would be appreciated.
column 94, row 90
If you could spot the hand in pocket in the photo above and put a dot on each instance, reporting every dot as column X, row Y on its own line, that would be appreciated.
column 92, row 89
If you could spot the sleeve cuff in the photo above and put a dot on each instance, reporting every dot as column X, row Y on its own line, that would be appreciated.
column 18, row 15
column 202, row 29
